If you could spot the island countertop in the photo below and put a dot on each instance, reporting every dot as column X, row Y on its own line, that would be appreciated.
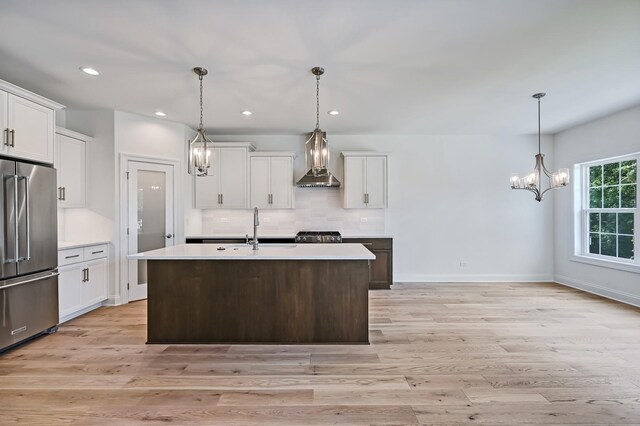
column 345, row 251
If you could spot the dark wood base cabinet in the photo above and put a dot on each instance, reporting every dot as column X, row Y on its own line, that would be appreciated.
column 258, row 301
column 380, row 269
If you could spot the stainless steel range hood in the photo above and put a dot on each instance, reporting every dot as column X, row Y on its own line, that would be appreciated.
column 317, row 159
column 323, row 180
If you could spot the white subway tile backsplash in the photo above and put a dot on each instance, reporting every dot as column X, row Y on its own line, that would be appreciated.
column 315, row 209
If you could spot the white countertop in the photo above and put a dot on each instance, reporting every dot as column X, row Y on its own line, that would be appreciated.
column 265, row 252
column 62, row 245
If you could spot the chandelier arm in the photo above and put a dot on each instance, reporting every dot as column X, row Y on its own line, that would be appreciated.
column 549, row 189
column 544, row 168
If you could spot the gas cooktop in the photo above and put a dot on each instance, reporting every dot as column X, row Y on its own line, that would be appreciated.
column 318, row 237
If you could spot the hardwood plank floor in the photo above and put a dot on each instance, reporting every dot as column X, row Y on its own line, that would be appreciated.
column 440, row 354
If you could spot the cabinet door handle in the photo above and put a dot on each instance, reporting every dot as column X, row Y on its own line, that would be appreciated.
column 6, row 141
column 221, row 198
column 218, row 198
column 84, row 275
column 87, row 274
column 59, row 193
column 64, row 193
column 13, row 137
column 367, row 198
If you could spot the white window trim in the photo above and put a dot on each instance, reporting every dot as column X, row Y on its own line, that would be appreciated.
column 580, row 203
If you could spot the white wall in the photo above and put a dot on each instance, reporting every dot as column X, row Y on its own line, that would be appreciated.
column 618, row 134
column 115, row 133
column 153, row 138
column 449, row 202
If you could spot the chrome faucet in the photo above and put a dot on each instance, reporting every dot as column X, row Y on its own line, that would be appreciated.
column 256, row 222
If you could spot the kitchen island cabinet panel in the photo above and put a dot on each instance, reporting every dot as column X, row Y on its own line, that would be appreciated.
column 380, row 269
column 258, row 301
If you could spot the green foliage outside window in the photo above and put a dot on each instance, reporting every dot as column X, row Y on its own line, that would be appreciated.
column 612, row 186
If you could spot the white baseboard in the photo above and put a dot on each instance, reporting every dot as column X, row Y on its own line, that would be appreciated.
column 80, row 312
column 619, row 296
column 113, row 301
column 470, row 278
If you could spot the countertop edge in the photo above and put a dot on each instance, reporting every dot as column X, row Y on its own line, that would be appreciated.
column 65, row 245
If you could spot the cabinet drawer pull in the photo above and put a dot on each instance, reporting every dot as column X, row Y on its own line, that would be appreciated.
column 96, row 252
column 72, row 256
column 367, row 244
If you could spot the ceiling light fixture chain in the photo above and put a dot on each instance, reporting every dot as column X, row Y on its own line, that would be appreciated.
column 200, row 76
column 317, row 71
column 533, row 181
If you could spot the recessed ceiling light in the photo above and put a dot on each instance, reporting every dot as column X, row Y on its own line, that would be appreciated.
column 333, row 112
column 246, row 112
column 89, row 70
column 161, row 114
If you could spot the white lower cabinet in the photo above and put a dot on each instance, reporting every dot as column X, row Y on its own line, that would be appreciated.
column 82, row 284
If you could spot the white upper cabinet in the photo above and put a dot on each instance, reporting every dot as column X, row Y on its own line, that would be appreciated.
column 365, row 180
column 71, row 167
column 28, row 124
column 226, row 186
column 271, row 182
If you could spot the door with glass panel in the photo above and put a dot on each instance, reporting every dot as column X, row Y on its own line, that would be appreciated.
column 150, row 217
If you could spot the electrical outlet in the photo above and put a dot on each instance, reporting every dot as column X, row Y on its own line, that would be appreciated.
column 463, row 263
column 364, row 219
column 224, row 219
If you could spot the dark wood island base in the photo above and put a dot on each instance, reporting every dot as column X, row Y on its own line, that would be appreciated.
column 258, row 301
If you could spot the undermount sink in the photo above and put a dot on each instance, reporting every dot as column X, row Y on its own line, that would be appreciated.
column 264, row 246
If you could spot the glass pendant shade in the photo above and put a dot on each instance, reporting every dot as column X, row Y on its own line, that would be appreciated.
column 317, row 153
column 533, row 181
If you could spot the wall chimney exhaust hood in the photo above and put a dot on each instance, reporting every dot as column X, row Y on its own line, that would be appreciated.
column 316, row 150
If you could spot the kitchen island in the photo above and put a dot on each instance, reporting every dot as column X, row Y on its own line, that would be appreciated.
column 280, row 293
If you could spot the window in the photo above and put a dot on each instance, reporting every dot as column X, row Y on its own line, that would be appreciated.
column 610, row 210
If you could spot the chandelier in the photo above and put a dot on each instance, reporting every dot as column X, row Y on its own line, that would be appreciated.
column 200, row 147
column 534, row 180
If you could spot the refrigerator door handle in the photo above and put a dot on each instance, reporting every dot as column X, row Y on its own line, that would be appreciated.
column 27, row 215
column 30, row 280
column 15, row 218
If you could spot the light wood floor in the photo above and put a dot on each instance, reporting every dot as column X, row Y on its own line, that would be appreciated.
column 507, row 354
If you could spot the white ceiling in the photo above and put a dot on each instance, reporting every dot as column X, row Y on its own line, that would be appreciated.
column 404, row 66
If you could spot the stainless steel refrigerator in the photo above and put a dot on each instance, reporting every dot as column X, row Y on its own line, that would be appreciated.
column 28, row 251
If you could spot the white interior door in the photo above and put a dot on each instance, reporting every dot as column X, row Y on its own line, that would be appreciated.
column 150, row 217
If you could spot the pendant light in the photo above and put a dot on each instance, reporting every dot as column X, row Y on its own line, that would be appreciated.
column 533, row 181
column 201, row 147
column 317, row 147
